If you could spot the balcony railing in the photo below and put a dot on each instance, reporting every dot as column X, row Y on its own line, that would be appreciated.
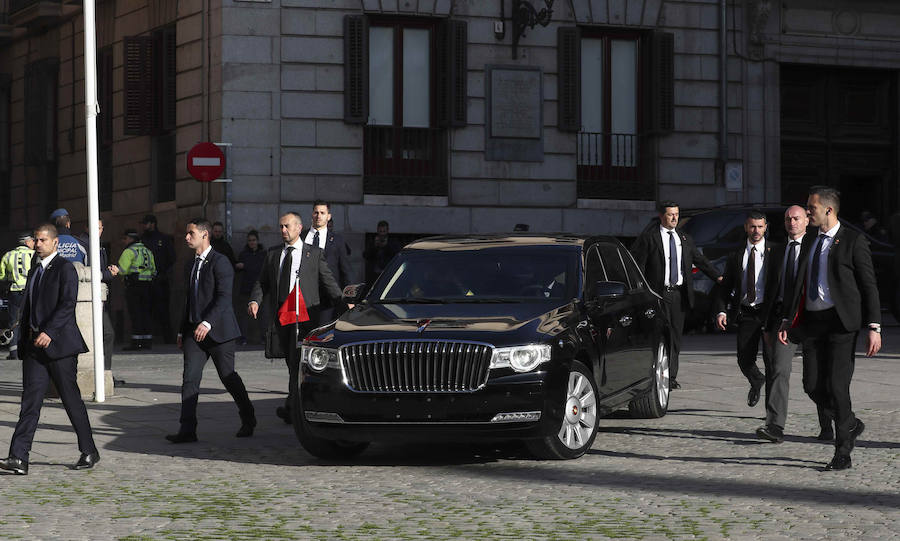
column 405, row 161
column 613, row 166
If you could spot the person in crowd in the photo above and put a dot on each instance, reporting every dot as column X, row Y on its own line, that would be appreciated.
column 109, row 272
column 379, row 252
column 14, row 268
column 137, row 267
column 667, row 256
column 49, row 346
column 163, row 250
column 220, row 243
column 337, row 255
column 749, row 291
column 208, row 329
column 69, row 247
column 250, row 263
column 835, row 296
column 282, row 271
column 870, row 225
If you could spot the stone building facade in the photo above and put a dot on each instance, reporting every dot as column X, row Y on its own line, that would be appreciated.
column 425, row 113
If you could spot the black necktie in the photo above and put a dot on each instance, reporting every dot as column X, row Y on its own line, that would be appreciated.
column 751, row 276
column 790, row 273
column 673, row 260
column 284, row 278
column 812, row 288
column 316, row 239
column 35, row 293
column 195, row 311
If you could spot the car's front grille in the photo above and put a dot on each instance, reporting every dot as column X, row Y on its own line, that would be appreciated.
column 414, row 366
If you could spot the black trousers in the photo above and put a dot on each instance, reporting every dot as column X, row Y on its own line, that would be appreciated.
column 677, row 304
column 749, row 333
column 37, row 373
column 195, row 356
column 828, row 361
column 138, row 296
column 16, row 301
column 288, row 335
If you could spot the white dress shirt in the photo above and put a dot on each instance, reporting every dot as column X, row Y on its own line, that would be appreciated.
column 664, row 234
column 200, row 264
column 295, row 260
column 787, row 251
column 823, row 299
column 759, row 283
column 323, row 236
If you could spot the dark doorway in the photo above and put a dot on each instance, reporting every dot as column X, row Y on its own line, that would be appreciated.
column 839, row 127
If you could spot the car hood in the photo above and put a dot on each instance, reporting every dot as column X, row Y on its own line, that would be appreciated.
column 497, row 324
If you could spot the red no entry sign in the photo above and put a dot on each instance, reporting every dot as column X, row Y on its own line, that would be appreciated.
column 205, row 162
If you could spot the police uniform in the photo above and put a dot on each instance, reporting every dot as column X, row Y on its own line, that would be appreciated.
column 14, row 268
column 138, row 270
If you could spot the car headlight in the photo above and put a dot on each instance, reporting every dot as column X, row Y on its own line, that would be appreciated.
column 317, row 358
column 521, row 358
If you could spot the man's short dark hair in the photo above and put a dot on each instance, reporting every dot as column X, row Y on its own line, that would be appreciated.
column 62, row 221
column 757, row 215
column 48, row 228
column 829, row 196
column 663, row 205
column 216, row 223
column 253, row 233
column 383, row 223
column 202, row 224
column 322, row 203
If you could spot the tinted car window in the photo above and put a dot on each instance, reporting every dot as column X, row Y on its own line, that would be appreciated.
column 594, row 271
column 615, row 270
column 634, row 275
column 513, row 274
column 705, row 228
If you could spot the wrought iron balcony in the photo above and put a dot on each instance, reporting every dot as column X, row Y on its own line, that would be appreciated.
column 613, row 166
column 405, row 161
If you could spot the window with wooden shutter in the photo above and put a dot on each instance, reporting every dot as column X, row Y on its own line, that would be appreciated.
column 40, row 110
column 356, row 66
column 662, row 81
column 105, row 95
column 568, row 80
column 165, row 73
column 451, row 74
column 138, row 85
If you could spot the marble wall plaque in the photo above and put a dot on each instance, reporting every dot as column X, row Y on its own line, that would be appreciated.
column 514, row 114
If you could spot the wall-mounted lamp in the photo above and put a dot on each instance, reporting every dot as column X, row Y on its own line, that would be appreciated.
column 524, row 15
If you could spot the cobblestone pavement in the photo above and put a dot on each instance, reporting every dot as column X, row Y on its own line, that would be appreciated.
column 698, row 473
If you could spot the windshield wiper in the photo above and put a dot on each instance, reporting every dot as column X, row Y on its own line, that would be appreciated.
column 411, row 300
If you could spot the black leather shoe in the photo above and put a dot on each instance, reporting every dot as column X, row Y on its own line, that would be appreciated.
column 771, row 433
column 857, row 430
column 181, row 437
column 247, row 425
column 284, row 413
column 826, row 434
column 839, row 462
column 15, row 465
column 673, row 384
column 753, row 395
column 87, row 461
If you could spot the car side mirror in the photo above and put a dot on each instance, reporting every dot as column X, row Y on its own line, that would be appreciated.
column 354, row 293
column 609, row 290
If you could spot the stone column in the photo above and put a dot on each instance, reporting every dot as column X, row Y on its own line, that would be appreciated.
column 86, row 326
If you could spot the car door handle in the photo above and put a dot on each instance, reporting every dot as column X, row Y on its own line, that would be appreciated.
column 626, row 320
column 650, row 313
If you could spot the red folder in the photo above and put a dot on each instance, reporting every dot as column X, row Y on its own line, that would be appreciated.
column 294, row 308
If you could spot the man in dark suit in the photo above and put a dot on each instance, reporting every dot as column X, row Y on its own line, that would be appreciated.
column 295, row 262
column 670, row 275
column 749, row 290
column 337, row 254
column 208, row 329
column 49, row 346
column 835, row 296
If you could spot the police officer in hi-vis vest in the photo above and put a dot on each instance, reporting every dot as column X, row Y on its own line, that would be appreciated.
column 14, row 268
column 137, row 267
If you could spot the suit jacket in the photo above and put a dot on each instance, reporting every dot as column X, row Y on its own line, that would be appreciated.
column 650, row 257
column 213, row 298
column 730, row 292
column 337, row 254
column 851, row 278
column 55, row 310
column 314, row 274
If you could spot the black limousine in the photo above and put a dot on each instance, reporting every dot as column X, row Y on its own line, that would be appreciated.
column 523, row 337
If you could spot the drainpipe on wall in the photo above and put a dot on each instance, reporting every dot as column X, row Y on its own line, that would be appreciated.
column 723, row 91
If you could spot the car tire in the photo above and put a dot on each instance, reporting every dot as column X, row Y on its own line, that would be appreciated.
column 655, row 402
column 317, row 446
column 578, row 425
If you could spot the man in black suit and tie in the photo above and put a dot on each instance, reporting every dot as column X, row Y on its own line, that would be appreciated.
column 749, row 290
column 208, row 329
column 337, row 254
column 835, row 296
column 666, row 256
column 285, row 266
column 49, row 345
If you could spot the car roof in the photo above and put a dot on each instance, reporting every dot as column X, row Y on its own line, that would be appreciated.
column 501, row 240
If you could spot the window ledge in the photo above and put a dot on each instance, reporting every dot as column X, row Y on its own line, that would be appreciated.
column 407, row 200
column 616, row 204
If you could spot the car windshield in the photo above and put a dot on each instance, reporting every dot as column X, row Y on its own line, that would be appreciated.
column 707, row 227
column 519, row 274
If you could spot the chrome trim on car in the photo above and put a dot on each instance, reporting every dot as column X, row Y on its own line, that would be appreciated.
column 324, row 417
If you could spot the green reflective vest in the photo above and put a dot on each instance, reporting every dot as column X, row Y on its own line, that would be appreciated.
column 15, row 266
column 137, row 261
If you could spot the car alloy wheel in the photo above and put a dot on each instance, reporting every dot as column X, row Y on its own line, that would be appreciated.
column 662, row 376
column 580, row 414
